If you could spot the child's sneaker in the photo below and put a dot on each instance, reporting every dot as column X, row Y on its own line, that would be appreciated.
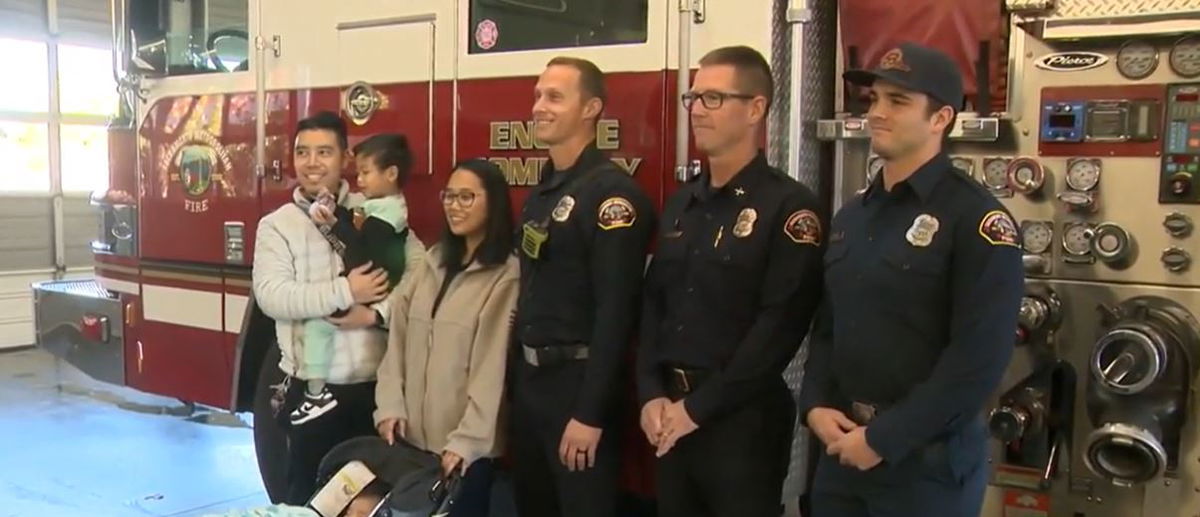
column 313, row 406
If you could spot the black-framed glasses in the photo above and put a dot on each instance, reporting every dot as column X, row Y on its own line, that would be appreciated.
column 710, row 99
column 464, row 198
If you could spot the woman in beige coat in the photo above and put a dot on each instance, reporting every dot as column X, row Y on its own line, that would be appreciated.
column 442, row 378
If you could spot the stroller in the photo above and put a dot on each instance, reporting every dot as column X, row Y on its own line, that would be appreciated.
column 366, row 477
column 407, row 481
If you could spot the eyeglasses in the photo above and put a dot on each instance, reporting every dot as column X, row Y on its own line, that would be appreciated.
column 711, row 100
column 465, row 198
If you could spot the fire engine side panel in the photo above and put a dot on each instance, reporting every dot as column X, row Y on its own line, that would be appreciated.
column 198, row 176
column 182, row 346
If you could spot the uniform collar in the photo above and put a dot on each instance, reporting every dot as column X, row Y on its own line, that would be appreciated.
column 743, row 183
column 922, row 182
column 589, row 158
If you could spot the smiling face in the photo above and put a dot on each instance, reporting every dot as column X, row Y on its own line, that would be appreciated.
column 319, row 160
column 561, row 109
column 466, row 205
column 902, row 121
column 720, row 128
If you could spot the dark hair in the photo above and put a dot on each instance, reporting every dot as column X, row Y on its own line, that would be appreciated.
column 933, row 106
column 497, row 242
column 591, row 79
column 324, row 121
column 386, row 150
column 753, row 72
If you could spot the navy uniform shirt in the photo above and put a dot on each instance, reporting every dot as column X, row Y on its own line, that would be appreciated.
column 583, row 286
column 924, row 284
column 732, row 288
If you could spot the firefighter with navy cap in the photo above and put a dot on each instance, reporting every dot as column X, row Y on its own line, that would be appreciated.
column 923, row 281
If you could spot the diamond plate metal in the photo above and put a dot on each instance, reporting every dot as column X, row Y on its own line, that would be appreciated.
column 778, row 129
column 1069, row 9
column 814, row 159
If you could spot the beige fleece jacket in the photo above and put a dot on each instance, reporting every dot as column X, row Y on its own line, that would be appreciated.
column 445, row 374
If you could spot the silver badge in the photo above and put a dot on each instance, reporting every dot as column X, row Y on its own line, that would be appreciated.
column 360, row 101
column 745, row 222
column 922, row 231
column 563, row 209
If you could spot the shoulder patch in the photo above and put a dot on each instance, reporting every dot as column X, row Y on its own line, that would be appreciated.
column 803, row 227
column 616, row 212
column 998, row 228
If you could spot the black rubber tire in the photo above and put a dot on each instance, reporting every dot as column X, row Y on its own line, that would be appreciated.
column 270, row 442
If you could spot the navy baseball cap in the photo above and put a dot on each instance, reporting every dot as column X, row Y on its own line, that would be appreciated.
column 917, row 68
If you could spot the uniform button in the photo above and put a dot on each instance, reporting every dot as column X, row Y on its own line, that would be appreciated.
column 691, row 289
column 904, row 267
column 870, row 237
column 679, row 328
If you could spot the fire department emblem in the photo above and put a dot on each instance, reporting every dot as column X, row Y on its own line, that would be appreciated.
column 921, row 233
column 894, row 60
column 616, row 212
column 486, row 34
column 562, row 211
column 360, row 102
column 998, row 229
column 745, row 222
column 197, row 160
column 803, row 227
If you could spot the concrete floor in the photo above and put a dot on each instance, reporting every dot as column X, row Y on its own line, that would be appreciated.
column 70, row 446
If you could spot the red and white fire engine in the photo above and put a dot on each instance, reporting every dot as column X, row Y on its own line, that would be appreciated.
column 1056, row 89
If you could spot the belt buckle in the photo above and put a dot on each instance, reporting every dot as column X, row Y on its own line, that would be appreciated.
column 863, row 412
column 687, row 386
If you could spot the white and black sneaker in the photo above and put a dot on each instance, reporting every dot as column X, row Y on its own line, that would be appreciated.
column 313, row 406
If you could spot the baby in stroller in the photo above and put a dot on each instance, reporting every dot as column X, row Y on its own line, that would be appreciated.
column 366, row 477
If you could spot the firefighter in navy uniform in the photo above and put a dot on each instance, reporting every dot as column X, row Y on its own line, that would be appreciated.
column 585, row 231
column 730, row 293
column 924, row 280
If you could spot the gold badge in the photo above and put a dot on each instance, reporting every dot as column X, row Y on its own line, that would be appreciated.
column 745, row 222
column 999, row 229
column 616, row 212
column 803, row 227
column 562, row 210
column 894, row 60
column 921, row 233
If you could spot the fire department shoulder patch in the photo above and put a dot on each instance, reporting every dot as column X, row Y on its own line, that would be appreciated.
column 803, row 227
column 616, row 212
column 998, row 228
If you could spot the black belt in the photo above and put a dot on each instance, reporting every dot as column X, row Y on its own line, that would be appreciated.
column 679, row 382
column 541, row 356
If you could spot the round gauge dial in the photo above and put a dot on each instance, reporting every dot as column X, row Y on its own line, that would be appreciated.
column 1077, row 239
column 1185, row 56
column 1036, row 237
column 995, row 173
column 874, row 166
column 963, row 163
column 1137, row 59
column 1083, row 175
column 1026, row 175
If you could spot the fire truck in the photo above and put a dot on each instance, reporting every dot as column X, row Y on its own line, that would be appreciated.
column 1082, row 116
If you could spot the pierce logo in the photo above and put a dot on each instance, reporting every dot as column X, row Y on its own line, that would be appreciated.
column 1071, row 61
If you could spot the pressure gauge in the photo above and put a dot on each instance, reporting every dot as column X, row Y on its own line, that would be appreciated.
column 1083, row 174
column 963, row 163
column 995, row 173
column 1077, row 239
column 1026, row 175
column 1137, row 59
column 1185, row 56
column 1036, row 236
column 874, row 167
